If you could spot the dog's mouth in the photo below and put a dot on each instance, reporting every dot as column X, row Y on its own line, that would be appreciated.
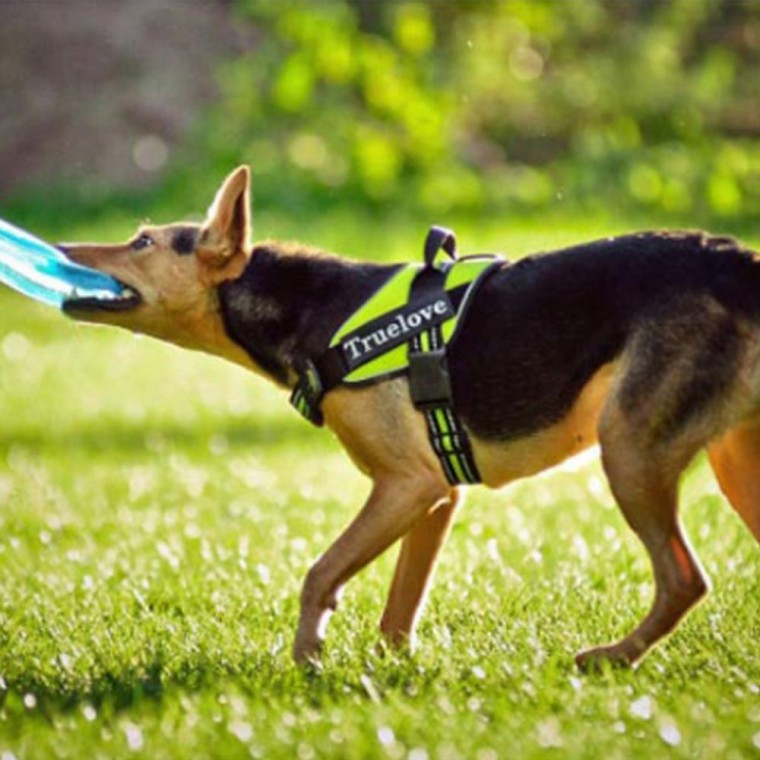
column 127, row 299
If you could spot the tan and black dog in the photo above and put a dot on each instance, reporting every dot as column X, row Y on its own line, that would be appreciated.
column 648, row 344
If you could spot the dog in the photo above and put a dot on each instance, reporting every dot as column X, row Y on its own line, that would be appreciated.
column 647, row 344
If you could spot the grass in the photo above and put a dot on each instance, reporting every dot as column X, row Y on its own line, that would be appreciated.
column 158, row 510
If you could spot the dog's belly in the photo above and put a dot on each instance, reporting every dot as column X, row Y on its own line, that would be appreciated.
column 500, row 463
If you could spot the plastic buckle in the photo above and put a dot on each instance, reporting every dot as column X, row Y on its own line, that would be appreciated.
column 307, row 396
column 429, row 381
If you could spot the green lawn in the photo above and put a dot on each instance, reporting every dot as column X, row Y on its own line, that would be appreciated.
column 158, row 511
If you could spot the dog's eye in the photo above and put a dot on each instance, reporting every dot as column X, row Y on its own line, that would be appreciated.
column 141, row 242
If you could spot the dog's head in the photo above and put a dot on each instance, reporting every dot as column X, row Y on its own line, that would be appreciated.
column 172, row 272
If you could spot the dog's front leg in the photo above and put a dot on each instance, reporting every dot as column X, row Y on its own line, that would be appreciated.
column 393, row 507
column 414, row 569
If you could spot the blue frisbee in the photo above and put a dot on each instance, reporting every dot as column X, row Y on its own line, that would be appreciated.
column 42, row 272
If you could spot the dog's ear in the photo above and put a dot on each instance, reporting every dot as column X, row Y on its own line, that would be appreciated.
column 224, row 245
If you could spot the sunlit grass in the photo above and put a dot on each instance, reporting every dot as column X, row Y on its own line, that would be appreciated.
column 158, row 511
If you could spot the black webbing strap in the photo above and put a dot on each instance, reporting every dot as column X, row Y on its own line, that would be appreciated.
column 447, row 436
column 429, row 381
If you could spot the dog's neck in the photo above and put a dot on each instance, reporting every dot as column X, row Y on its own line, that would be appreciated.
column 289, row 302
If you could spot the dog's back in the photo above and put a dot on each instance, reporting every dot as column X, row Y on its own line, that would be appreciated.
column 542, row 327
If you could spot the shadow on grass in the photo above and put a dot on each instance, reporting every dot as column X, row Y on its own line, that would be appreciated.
column 137, row 439
column 113, row 692
column 272, row 679
column 161, row 679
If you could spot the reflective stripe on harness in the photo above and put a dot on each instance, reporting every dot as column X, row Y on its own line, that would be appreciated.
column 431, row 394
column 407, row 326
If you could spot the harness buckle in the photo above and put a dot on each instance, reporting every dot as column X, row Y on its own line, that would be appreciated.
column 307, row 395
column 429, row 381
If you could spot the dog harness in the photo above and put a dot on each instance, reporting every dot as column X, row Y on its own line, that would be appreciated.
column 407, row 327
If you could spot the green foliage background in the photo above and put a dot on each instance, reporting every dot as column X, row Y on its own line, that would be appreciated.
column 649, row 107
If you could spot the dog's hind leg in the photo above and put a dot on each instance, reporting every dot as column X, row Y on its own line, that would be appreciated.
column 645, row 486
column 393, row 508
column 735, row 460
column 414, row 569
column 683, row 378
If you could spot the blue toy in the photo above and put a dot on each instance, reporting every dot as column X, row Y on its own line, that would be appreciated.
column 42, row 272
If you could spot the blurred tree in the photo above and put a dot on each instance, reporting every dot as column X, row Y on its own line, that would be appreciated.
column 450, row 104
column 338, row 95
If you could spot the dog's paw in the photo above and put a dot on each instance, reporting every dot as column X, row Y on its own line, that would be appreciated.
column 597, row 659
column 308, row 652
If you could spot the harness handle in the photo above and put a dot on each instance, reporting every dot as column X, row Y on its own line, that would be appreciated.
column 437, row 238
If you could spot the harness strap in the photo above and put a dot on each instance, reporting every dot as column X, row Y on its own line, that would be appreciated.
column 431, row 393
column 429, row 381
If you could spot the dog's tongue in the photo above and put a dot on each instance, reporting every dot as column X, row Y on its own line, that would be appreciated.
column 42, row 272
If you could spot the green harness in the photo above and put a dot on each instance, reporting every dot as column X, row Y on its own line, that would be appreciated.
column 406, row 327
